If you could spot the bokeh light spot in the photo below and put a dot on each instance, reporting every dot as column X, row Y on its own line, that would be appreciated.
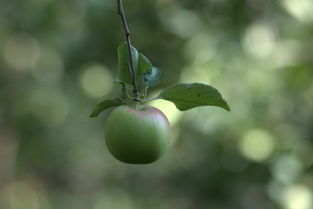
column 21, row 51
column 298, row 197
column 182, row 22
column 259, row 40
column 257, row 145
column 300, row 9
column 201, row 48
column 49, row 68
column 286, row 169
column 96, row 81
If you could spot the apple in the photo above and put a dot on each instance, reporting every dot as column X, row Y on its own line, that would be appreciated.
column 137, row 135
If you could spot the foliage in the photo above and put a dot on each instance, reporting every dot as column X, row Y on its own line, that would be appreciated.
column 184, row 96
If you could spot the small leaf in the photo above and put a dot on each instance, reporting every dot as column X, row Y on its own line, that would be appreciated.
column 124, row 66
column 124, row 88
column 189, row 95
column 144, row 64
column 152, row 77
column 104, row 105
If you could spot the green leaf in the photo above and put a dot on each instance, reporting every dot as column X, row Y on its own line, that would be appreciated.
column 152, row 77
column 104, row 105
column 144, row 64
column 124, row 88
column 124, row 66
column 189, row 95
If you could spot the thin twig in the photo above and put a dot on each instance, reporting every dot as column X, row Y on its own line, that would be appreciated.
column 121, row 13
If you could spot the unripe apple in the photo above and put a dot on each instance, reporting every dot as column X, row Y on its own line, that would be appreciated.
column 137, row 135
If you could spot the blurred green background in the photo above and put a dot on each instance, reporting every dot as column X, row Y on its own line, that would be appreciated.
column 58, row 59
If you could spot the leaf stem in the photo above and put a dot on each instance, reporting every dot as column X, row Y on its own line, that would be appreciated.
column 151, row 99
column 121, row 13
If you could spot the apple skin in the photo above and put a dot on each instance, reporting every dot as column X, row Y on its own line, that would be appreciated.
column 137, row 136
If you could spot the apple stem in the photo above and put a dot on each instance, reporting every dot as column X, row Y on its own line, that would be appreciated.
column 121, row 13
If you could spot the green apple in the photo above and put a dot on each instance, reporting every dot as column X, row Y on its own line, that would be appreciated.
column 137, row 135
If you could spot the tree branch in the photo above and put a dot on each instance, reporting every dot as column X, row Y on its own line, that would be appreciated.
column 121, row 13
